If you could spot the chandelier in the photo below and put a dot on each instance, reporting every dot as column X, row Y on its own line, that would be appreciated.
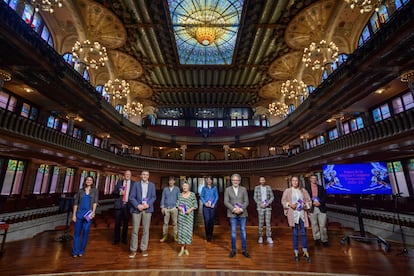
column 365, row 6
column 133, row 109
column 294, row 89
column 278, row 108
column 4, row 76
column 408, row 77
column 46, row 5
column 117, row 89
column 206, row 26
column 92, row 55
column 318, row 55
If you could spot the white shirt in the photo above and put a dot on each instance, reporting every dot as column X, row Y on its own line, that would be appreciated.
column 296, row 195
column 236, row 190
column 144, row 189
column 263, row 192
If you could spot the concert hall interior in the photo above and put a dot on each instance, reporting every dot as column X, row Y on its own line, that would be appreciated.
column 192, row 89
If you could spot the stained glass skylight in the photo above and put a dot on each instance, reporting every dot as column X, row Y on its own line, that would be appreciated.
column 205, row 31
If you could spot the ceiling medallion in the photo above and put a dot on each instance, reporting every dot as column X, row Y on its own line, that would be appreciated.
column 408, row 77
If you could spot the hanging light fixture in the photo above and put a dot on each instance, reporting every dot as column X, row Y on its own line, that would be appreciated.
column 318, row 55
column 4, row 76
column 91, row 54
column 408, row 77
column 277, row 108
column 365, row 6
column 294, row 89
column 46, row 5
column 117, row 89
column 133, row 109
column 205, row 25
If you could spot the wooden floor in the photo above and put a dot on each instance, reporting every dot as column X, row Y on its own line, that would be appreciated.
column 44, row 255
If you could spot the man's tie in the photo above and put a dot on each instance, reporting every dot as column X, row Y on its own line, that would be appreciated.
column 124, row 196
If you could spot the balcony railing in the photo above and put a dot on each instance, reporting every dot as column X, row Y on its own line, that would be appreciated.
column 16, row 127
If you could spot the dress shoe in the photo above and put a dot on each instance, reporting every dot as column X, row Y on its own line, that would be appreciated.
column 124, row 242
column 306, row 256
column 317, row 242
column 115, row 242
column 296, row 257
column 164, row 238
column 232, row 254
column 246, row 254
column 325, row 244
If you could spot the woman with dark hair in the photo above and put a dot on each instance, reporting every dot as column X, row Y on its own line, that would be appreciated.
column 84, row 208
column 296, row 202
column 209, row 198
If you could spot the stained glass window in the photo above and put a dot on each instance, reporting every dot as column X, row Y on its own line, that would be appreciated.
column 13, row 179
column 205, row 31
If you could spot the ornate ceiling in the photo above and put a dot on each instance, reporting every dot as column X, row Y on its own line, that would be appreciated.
column 269, row 37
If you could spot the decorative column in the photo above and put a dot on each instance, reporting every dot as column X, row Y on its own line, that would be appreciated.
column 226, row 151
column 71, row 123
column 339, row 126
column 183, row 151
column 305, row 142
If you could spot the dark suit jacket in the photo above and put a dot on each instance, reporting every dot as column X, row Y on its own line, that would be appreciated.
column 135, row 197
column 230, row 199
column 323, row 197
column 118, row 198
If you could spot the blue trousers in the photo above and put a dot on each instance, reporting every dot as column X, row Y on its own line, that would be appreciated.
column 209, row 215
column 242, row 222
column 82, row 227
column 299, row 229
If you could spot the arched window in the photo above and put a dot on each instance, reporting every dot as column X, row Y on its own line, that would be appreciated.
column 77, row 66
column 341, row 59
column 291, row 108
column 377, row 19
column 101, row 90
column 34, row 19
column 311, row 88
column 204, row 156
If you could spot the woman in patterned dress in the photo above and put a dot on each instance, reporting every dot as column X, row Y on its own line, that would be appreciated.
column 186, row 205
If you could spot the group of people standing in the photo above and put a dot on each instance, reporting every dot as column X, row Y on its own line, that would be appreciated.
column 178, row 206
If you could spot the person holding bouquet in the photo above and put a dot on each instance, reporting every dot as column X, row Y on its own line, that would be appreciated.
column 186, row 205
column 209, row 198
column 84, row 208
column 296, row 203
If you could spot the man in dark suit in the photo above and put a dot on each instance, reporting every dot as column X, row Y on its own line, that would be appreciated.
column 318, row 210
column 236, row 201
column 141, row 200
column 122, row 214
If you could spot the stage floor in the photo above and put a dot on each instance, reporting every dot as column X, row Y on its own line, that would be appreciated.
column 44, row 255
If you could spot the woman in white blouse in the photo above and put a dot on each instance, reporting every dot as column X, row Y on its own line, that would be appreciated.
column 296, row 203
